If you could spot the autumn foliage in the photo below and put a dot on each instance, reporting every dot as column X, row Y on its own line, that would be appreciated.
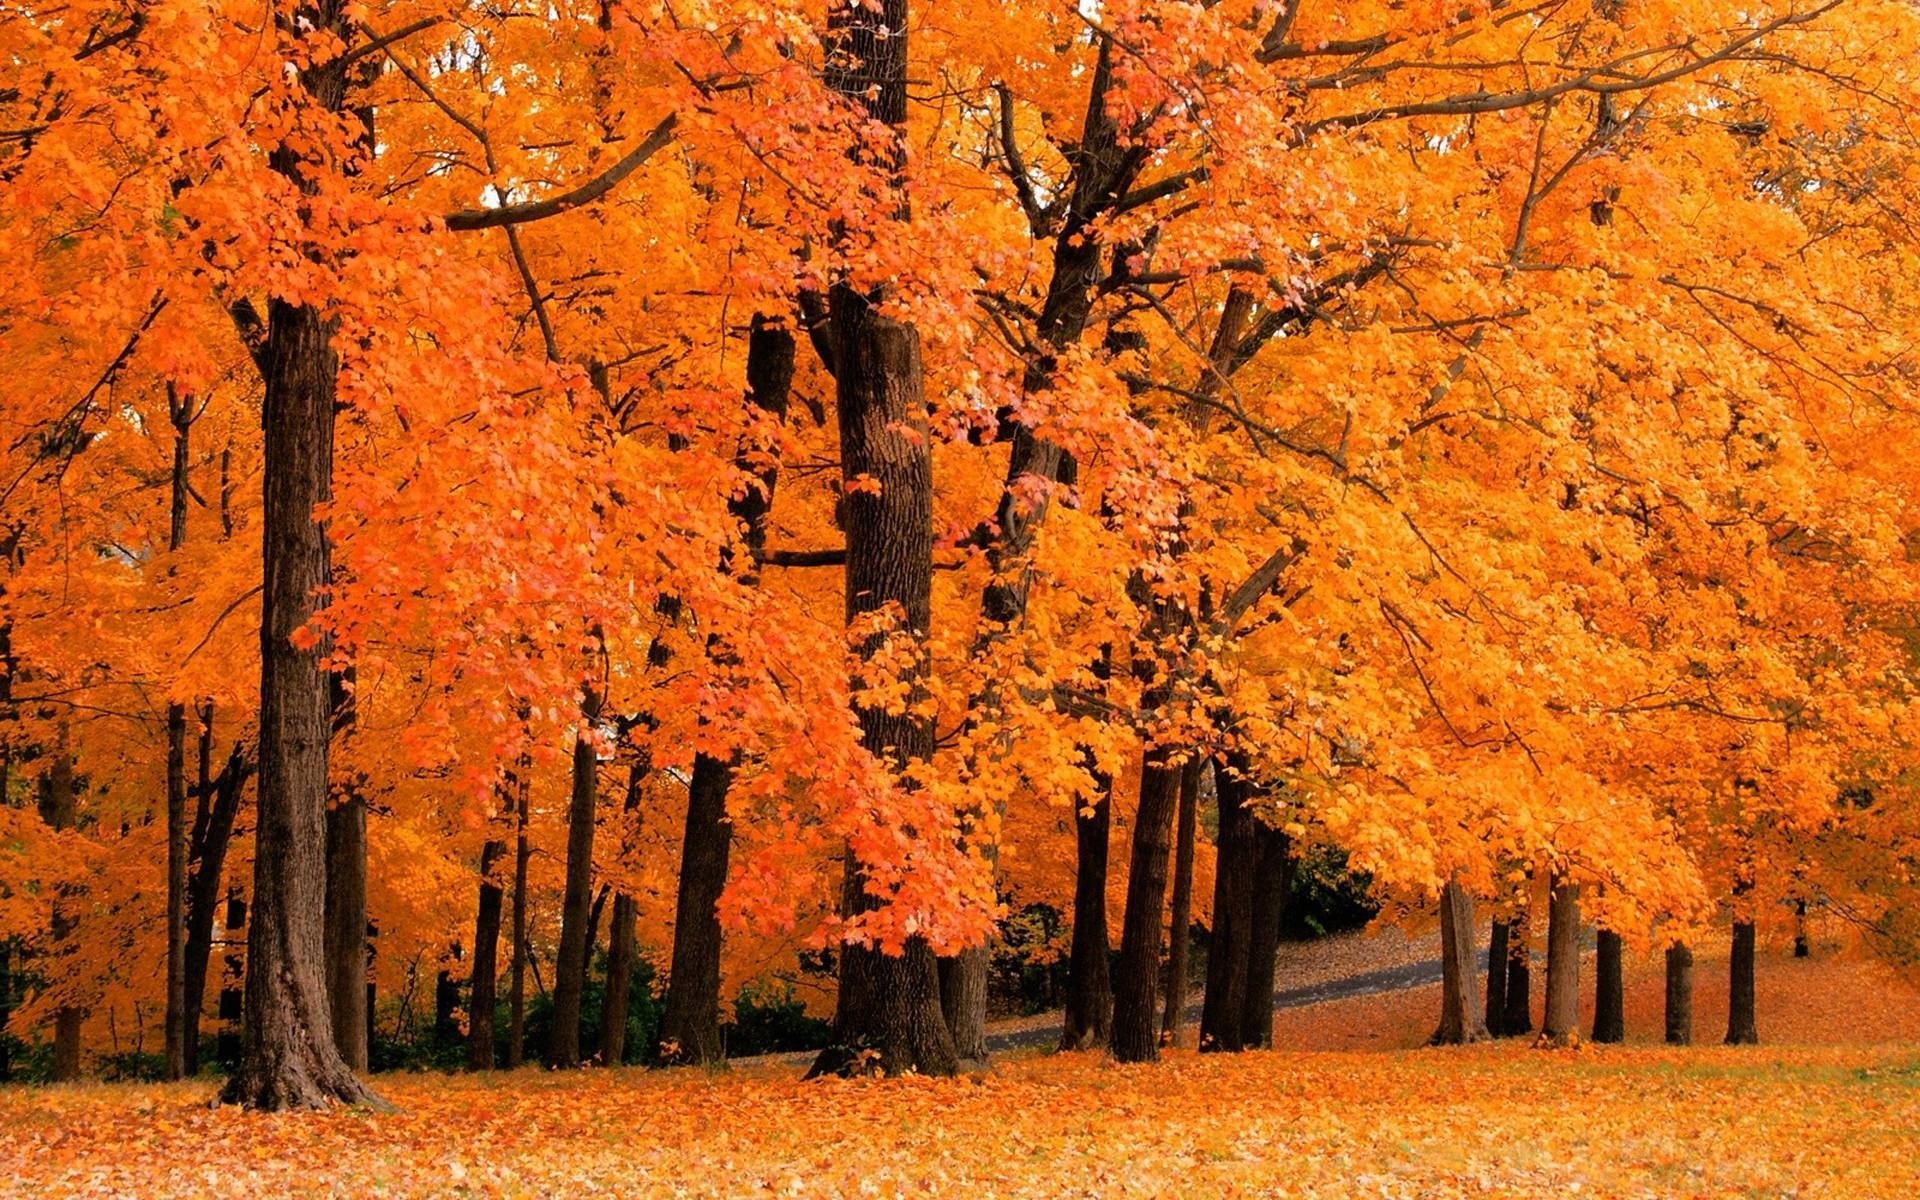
column 757, row 482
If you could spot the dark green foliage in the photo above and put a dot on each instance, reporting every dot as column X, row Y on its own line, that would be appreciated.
column 769, row 1019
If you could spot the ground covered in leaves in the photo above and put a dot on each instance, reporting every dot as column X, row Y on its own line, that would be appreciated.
column 1832, row 1109
column 1484, row 1121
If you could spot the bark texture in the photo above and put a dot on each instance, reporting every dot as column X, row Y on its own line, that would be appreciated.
column 621, row 949
column 1088, row 1021
column 1562, row 1019
column 517, row 978
column 1223, row 1010
column 288, row 1056
column 1180, row 911
column 1272, row 880
column 1743, row 1027
column 576, row 912
column 180, row 411
column 345, row 934
column 1517, row 1020
column 1609, row 990
column 482, row 991
column 1460, row 1014
column 1136, row 985
column 1496, row 978
column 1679, row 995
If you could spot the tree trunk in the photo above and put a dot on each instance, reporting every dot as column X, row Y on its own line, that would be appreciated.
column 887, row 1004
column 482, row 991
column 176, row 1011
column 1517, row 1020
column 1609, row 990
column 6, row 993
column 345, row 934
column 1225, row 1005
column 1272, row 879
column 1562, row 1019
column 690, row 1023
column 59, row 808
column 212, row 834
column 1180, row 914
column 517, row 985
column 1137, row 977
column 1742, row 1026
column 1679, row 995
column 1496, row 978
column 621, row 950
column 570, row 969
column 180, row 411
column 288, row 1057
column 1459, row 1000
column 1089, row 1009
column 1801, row 948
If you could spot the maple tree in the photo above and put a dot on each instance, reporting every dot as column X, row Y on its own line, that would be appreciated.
column 755, row 479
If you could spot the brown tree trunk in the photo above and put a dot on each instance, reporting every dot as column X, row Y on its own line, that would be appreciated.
column 6, row 996
column 1517, row 1020
column 1561, row 1022
column 176, row 1011
column 1496, row 978
column 889, row 1005
column 1226, row 998
column 212, row 834
column 288, row 1057
column 621, row 950
column 1459, row 994
column 690, row 1022
column 1272, row 879
column 59, row 808
column 1679, row 995
column 1137, row 976
column 1180, row 914
column 1609, row 990
column 482, row 991
column 345, row 935
column 180, row 411
column 1742, row 1024
column 1089, row 1009
column 517, row 982
column 570, row 967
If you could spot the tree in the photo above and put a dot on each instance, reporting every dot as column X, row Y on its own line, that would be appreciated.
column 1563, row 962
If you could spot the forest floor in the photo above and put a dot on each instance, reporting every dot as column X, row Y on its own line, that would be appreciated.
column 1830, row 1107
